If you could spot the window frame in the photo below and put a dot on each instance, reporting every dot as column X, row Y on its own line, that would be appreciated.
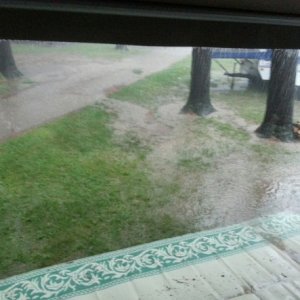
column 143, row 23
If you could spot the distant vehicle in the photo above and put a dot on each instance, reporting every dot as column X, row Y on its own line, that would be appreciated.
column 254, row 64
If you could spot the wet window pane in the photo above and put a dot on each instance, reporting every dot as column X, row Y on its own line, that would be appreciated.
column 105, row 146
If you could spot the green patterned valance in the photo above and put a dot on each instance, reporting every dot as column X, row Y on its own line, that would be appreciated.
column 99, row 272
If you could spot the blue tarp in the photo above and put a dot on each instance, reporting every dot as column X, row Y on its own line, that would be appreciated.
column 242, row 54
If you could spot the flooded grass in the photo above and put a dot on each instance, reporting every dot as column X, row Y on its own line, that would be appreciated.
column 247, row 104
column 228, row 130
column 214, row 140
column 68, row 191
column 159, row 88
column 73, row 188
column 197, row 161
column 166, row 86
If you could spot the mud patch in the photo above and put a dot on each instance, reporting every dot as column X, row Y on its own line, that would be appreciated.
column 222, row 179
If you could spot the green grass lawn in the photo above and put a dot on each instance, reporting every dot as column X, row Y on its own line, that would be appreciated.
column 68, row 190
column 161, row 88
column 82, row 49
column 226, row 63
column 247, row 104
column 158, row 89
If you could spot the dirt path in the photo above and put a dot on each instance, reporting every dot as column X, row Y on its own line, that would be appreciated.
column 239, row 187
column 65, row 85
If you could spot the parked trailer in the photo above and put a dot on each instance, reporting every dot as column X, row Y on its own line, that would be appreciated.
column 254, row 64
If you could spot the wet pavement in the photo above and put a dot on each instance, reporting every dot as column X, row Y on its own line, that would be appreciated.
column 283, row 194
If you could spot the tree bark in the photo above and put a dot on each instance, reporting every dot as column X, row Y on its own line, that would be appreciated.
column 278, row 120
column 255, row 83
column 8, row 66
column 199, row 97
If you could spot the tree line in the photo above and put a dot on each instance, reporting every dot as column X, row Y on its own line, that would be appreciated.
column 278, row 119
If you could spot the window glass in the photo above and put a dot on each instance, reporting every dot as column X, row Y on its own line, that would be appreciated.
column 108, row 146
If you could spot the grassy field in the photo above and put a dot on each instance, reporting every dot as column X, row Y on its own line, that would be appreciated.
column 162, row 87
column 249, row 105
column 68, row 190
column 80, row 49
column 159, row 88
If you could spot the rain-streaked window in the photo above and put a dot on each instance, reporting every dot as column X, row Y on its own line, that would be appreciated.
column 107, row 146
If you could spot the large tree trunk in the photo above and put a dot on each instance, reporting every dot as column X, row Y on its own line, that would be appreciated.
column 8, row 66
column 278, row 121
column 199, row 97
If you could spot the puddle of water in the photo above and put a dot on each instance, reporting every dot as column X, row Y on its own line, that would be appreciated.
column 235, row 201
column 283, row 194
